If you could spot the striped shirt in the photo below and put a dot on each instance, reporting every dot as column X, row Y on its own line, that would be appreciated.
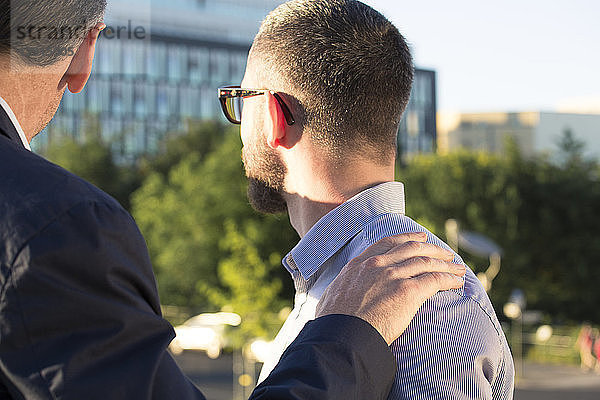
column 453, row 349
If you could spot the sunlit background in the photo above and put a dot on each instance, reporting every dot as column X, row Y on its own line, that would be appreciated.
column 498, row 149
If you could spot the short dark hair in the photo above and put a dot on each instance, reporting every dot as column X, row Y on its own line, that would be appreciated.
column 348, row 67
column 42, row 32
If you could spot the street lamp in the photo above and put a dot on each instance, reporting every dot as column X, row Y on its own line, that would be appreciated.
column 478, row 245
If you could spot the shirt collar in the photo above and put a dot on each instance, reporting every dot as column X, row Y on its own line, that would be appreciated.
column 340, row 225
column 15, row 122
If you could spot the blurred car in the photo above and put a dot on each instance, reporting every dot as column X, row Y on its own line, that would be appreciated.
column 260, row 350
column 204, row 332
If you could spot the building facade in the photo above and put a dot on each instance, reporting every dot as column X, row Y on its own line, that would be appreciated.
column 418, row 128
column 158, row 65
column 535, row 133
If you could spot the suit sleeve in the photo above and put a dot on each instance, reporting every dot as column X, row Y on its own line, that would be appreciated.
column 80, row 316
column 80, row 319
column 333, row 357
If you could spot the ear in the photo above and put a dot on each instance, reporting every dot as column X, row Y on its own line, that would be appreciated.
column 275, row 125
column 80, row 67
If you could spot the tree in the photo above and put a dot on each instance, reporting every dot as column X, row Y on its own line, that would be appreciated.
column 248, row 286
column 571, row 152
column 570, row 146
column 544, row 215
column 211, row 251
column 206, row 243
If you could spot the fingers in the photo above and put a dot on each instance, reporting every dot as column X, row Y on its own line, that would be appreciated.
column 401, row 253
column 430, row 283
column 388, row 243
column 416, row 266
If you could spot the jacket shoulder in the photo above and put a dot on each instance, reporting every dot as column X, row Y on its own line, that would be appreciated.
column 34, row 191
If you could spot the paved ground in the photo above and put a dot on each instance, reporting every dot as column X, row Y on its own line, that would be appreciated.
column 539, row 382
column 213, row 377
column 551, row 382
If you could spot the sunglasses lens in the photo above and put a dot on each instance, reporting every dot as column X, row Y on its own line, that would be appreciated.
column 234, row 108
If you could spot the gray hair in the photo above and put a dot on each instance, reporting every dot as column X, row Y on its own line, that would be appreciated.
column 42, row 32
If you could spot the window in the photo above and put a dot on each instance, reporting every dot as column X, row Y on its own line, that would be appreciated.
column 115, row 56
column 73, row 103
column 161, row 101
column 178, row 63
column 140, row 50
column 150, row 95
column 128, row 58
column 238, row 67
column 173, row 100
column 157, row 61
column 104, row 99
column 198, row 65
column 67, row 103
column 140, row 108
column 103, row 57
column 209, row 104
column 93, row 96
column 133, row 57
column 127, row 97
column 116, row 99
column 190, row 102
column 219, row 67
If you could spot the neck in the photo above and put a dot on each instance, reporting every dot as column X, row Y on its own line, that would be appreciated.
column 30, row 94
column 319, row 192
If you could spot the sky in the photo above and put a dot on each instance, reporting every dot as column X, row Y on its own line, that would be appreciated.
column 508, row 55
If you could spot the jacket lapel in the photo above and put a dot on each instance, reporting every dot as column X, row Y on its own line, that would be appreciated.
column 7, row 128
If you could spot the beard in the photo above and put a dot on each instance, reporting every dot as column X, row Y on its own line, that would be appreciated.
column 265, row 199
column 266, row 175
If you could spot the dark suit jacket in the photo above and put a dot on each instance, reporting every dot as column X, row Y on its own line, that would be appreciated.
column 79, row 309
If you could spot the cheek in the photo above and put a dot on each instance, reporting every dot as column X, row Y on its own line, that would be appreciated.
column 252, row 123
column 244, row 133
column 247, row 129
column 248, row 153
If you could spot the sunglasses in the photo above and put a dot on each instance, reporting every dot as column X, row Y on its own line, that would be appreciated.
column 232, row 102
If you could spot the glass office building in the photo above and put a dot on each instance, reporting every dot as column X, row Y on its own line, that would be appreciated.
column 158, row 65
column 418, row 128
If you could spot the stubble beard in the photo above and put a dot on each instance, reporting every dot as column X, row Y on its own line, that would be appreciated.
column 266, row 174
column 48, row 114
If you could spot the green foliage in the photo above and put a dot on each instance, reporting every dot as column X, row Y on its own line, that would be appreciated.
column 211, row 251
column 249, row 289
column 186, row 209
column 571, row 148
column 543, row 214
